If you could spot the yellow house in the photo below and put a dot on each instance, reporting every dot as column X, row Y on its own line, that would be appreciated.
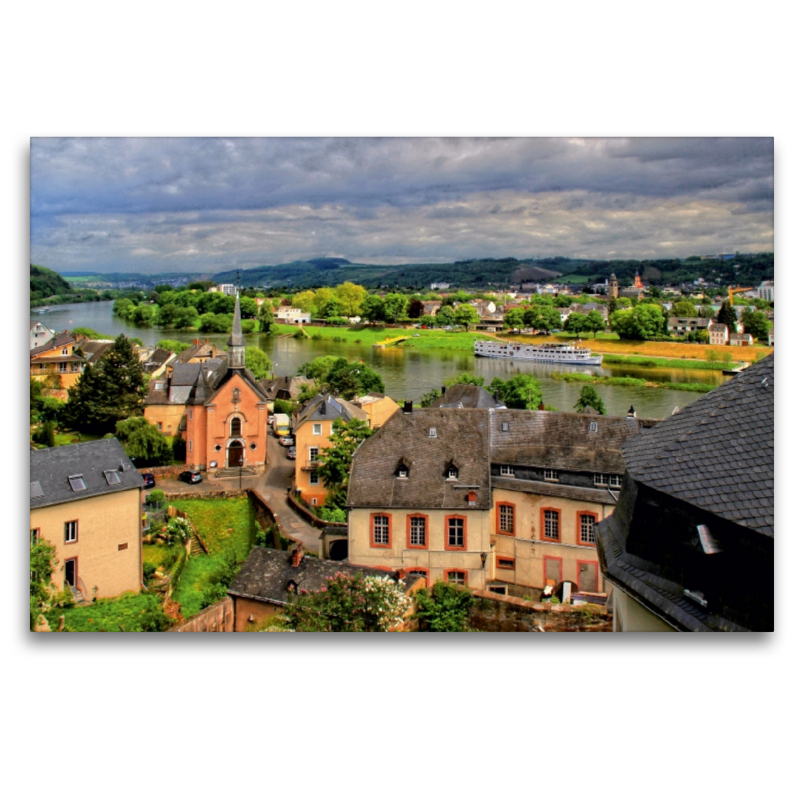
column 378, row 408
column 86, row 501
column 312, row 426
column 420, row 497
column 58, row 359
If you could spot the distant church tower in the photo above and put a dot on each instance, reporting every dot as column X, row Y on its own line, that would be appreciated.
column 637, row 281
column 236, row 342
column 613, row 286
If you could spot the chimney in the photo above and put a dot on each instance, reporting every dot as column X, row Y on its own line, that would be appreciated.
column 632, row 412
column 407, row 407
column 444, row 389
column 297, row 556
column 207, row 341
column 322, row 409
column 541, row 406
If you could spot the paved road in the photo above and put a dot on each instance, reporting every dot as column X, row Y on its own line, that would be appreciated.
column 273, row 485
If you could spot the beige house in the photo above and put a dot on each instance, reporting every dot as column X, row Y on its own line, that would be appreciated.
column 718, row 333
column 378, row 408
column 86, row 501
column 495, row 498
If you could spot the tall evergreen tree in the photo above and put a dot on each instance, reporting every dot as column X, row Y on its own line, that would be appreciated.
column 727, row 316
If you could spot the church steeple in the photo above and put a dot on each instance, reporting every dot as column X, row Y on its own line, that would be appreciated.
column 236, row 342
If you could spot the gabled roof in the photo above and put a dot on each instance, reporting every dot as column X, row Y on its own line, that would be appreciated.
column 555, row 440
column 327, row 407
column 205, row 394
column 52, row 468
column 465, row 396
column 266, row 574
column 159, row 357
column 59, row 340
column 718, row 452
column 461, row 436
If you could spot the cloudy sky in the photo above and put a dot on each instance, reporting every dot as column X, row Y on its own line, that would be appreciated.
column 158, row 205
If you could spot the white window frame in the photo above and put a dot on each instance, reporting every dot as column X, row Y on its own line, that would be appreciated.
column 586, row 536
column 71, row 531
column 600, row 479
column 614, row 481
column 460, row 581
column 313, row 479
column 431, row 433
column 456, row 527
column 414, row 535
column 509, row 471
column 384, row 529
column 549, row 523
column 452, row 474
column 551, row 475
column 507, row 512
column 316, row 428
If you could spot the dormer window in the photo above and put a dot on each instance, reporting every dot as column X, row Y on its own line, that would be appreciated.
column 112, row 476
column 431, row 433
column 452, row 474
column 509, row 471
column 551, row 475
column 402, row 469
column 402, row 473
column 592, row 427
column 77, row 483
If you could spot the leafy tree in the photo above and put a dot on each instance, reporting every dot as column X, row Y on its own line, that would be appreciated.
column 727, row 316
column 465, row 378
column 318, row 368
column 643, row 322
column 331, row 309
column 43, row 562
column 322, row 296
column 428, row 320
column 429, row 398
column 415, row 308
column 349, row 603
column 111, row 391
column 589, row 398
column 542, row 317
column 143, row 315
column 756, row 323
column 185, row 318
column 521, row 391
column 173, row 344
column 444, row 608
column 258, row 362
column 284, row 406
column 143, row 442
column 562, row 301
column 202, row 286
column 304, row 300
column 624, row 302
column 266, row 317
column 337, row 459
column 683, row 308
column 394, row 306
column 595, row 322
column 350, row 297
column 514, row 318
column 45, row 435
column 576, row 322
column 467, row 315
column 445, row 316
column 372, row 308
column 215, row 323
column 350, row 378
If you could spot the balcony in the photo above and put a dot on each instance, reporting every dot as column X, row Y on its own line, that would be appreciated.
column 311, row 465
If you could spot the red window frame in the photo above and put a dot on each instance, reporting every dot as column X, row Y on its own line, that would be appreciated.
column 560, row 569
column 422, row 572
column 447, row 545
column 542, row 528
column 464, row 572
column 578, row 516
column 410, row 546
column 511, row 559
column 71, row 522
column 372, row 516
column 498, row 526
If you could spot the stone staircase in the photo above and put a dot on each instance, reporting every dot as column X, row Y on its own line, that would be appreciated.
column 196, row 548
column 233, row 472
column 77, row 596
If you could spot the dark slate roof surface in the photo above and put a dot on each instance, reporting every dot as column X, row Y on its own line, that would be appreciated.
column 59, row 340
column 462, row 437
column 334, row 407
column 718, row 452
column 53, row 466
column 266, row 574
column 554, row 440
column 466, row 396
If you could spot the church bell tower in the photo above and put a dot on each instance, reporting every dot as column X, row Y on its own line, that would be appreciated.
column 236, row 342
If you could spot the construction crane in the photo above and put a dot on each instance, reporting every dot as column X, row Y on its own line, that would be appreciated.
column 732, row 292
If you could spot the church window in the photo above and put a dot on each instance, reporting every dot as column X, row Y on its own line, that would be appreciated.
column 236, row 427
column 237, row 396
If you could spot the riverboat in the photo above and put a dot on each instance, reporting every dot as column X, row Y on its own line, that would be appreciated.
column 549, row 353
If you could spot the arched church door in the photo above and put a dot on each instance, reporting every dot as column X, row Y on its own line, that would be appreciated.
column 235, row 454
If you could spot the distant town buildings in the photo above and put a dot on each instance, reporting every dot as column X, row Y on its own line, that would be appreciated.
column 439, row 286
column 766, row 291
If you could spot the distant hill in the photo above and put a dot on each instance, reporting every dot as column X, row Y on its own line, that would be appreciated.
column 46, row 283
column 311, row 273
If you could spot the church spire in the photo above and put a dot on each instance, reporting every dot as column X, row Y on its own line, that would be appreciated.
column 236, row 342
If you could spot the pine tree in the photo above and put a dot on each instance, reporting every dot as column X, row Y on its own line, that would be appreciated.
column 727, row 316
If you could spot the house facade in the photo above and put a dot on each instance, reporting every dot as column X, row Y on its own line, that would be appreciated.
column 683, row 325
column 292, row 316
column 86, row 502
column 58, row 359
column 718, row 333
column 40, row 334
column 312, row 426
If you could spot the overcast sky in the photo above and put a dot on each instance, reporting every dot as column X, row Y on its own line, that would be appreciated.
column 162, row 205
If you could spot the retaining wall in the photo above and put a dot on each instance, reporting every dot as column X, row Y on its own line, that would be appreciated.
column 214, row 619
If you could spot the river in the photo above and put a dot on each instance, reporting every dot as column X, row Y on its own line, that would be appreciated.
column 408, row 374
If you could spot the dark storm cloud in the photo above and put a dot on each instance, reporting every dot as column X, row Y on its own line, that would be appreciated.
column 270, row 200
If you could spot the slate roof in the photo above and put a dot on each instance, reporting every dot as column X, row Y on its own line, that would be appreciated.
column 266, row 574
column 465, row 396
column 549, row 489
column 95, row 350
column 52, row 468
column 334, row 407
column 158, row 357
column 199, row 350
column 553, row 440
column 462, row 439
column 718, row 452
column 59, row 340
column 283, row 385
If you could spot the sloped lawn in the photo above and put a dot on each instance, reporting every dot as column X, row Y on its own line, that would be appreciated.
column 128, row 613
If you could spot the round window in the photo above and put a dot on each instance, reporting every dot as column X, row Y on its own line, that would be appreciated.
column 218, row 447
column 253, row 446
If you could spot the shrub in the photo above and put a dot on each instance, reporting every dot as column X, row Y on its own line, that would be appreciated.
column 444, row 608
column 157, row 499
column 148, row 570
column 332, row 514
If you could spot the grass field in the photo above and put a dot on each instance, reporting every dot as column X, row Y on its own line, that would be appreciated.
column 610, row 343
column 580, row 377
column 72, row 437
column 369, row 335
column 128, row 612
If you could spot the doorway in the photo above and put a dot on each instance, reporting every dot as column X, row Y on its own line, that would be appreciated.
column 71, row 572
column 235, row 454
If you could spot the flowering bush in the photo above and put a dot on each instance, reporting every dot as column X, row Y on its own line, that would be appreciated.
column 350, row 603
column 176, row 530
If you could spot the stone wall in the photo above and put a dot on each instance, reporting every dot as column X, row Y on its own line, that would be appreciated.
column 494, row 613
column 163, row 472
column 309, row 515
column 214, row 619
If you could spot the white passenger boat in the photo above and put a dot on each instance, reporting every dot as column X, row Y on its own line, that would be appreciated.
column 548, row 353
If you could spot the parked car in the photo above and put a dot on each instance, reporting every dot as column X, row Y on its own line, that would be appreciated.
column 190, row 476
column 286, row 441
column 291, row 453
column 149, row 480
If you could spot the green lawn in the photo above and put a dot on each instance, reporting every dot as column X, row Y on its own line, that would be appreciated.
column 160, row 555
column 580, row 377
column 128, row 612
column 73, row 437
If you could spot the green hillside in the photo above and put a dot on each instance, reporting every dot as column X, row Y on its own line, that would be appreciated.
column 46, row 283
